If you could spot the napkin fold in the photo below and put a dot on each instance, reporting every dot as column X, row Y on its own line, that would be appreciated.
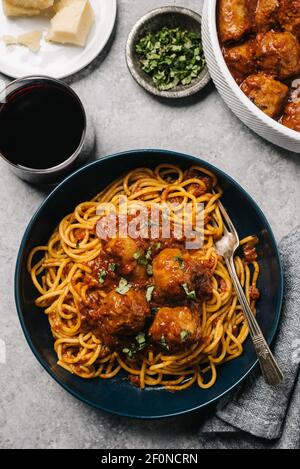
column 256, row 408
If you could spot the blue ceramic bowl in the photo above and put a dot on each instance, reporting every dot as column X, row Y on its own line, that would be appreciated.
column 118, row 395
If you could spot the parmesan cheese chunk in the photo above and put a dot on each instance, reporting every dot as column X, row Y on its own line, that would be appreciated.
column 14, row 10
column 59, row 4
column 36, row 4
column 32, row 40
column 72, row 23
column 10, row 40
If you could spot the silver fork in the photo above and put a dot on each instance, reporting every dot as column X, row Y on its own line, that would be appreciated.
column 226, row 247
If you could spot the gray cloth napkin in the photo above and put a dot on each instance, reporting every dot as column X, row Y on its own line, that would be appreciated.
column 256, row 408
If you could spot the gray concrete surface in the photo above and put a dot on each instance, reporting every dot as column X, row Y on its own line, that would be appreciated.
column 34, row 410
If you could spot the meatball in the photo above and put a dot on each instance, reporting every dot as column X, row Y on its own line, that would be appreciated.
column 119, row 316
column 291, row 116
column 123, row 251
column 278, row 54
column 241, row 60
column 175, row 328
column 171, row 270
column 234, row 19
column 202, row 272
column 266, row 93
column 289, row 16
column 180, row 276
column 266, row 14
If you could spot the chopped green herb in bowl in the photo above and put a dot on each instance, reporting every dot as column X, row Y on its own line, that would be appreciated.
column 164, row 53
column 171, row 56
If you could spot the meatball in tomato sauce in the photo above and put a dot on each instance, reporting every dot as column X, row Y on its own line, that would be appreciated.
column 171, row 270
column 266, row 93
column 278, row 54
column 179, row 276
column 175, row 329
column 289, row 16
column 234, row 19
column 266, row 14
column 123, row 251
column 291, row 116
column 241, row 60
column 119, row 316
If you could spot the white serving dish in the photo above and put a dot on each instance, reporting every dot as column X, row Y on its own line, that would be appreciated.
column 236, row 100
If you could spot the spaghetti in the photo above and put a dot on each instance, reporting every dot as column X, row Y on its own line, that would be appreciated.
column 186, row 320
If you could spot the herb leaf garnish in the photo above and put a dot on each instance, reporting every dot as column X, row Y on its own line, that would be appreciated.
column 164, row 343
column 141, row 340
column 180, row 262
column 184, row 335
column 123, row 287
column 139, row 344
column 171, row 57
column 129, row 352
column 148, row 254
column 191, row 295
column 137, row 255
column 149, row 270
column 102, row 275
column 142, row 261
column 149, row 293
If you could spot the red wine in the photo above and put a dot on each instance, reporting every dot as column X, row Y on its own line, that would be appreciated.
column 41, row 125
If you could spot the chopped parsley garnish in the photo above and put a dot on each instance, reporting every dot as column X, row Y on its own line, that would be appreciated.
column 157, row 246
column 149, row 293
column 102, row 275
column 180, row 262
column 191, row 295
column 123, row 287
column 78, row 244
column 141, row 339
column 171, row 57
column 154, row 310
column 164, row 343
column 142, row 261
column 137, row 255
column 184, row 335
column 139, row 344
column 148, row 254
column 149, row 270
column 128, row 352
column 112, row 266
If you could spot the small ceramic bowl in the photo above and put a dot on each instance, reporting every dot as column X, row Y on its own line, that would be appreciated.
column 171, row 17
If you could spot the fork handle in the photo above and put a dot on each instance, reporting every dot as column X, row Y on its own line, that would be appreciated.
column 269, row 367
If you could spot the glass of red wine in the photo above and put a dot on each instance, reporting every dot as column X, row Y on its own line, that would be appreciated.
column 43, row 129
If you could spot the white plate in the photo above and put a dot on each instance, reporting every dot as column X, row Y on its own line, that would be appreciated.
column 55, row 60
